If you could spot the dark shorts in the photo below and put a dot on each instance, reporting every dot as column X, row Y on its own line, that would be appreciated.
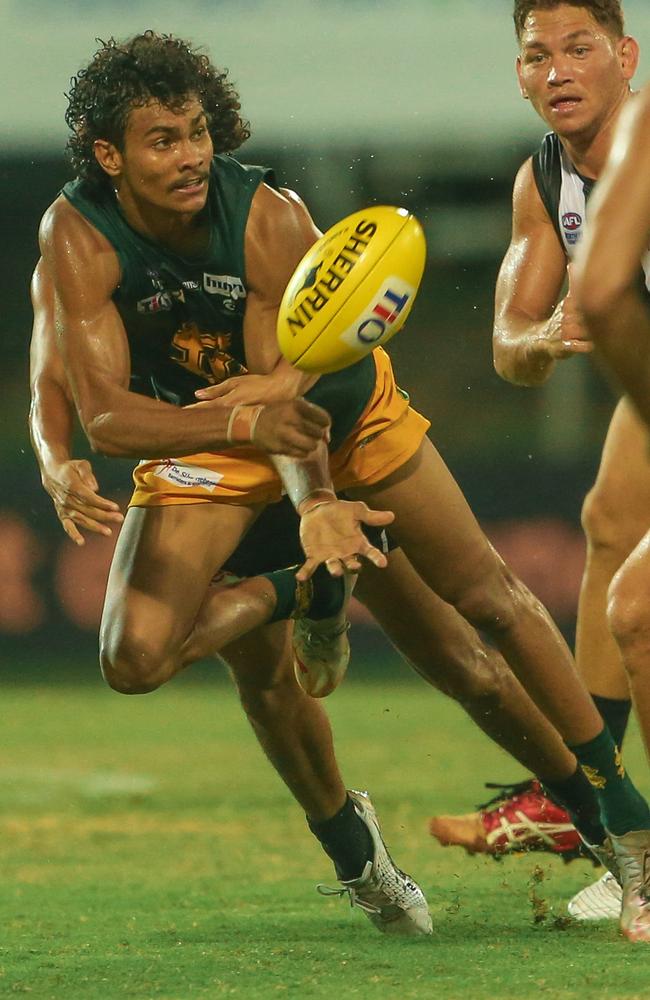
column 273, row 542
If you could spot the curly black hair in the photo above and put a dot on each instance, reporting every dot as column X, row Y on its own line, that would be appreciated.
column 125, row 75
column 607, row 13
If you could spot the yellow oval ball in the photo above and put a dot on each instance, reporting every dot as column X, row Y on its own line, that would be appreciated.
column 353, row 289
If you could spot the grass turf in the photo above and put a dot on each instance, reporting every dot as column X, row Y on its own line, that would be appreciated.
column 147, row 850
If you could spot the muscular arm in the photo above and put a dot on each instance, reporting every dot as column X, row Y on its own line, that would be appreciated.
column 279, row 234
column 94, row 348
column 531, row 331
column 280, row 231
column 70, row 482
column 51, row 411
column 608, row 267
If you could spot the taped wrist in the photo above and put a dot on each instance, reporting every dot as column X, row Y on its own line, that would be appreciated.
column 317, row 498
column 242, row 423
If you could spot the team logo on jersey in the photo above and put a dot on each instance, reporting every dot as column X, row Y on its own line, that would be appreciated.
column 155, row 278
column 161, row 301
column 571, row 224
column 225, row 285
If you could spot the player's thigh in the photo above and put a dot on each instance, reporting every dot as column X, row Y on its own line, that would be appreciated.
column 434, row 524
column 617, row 509
column 163, row 563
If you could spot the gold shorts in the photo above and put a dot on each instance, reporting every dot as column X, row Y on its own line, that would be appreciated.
column 387, row 434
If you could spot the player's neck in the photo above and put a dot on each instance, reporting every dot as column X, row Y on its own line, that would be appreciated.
column 184, row 233
column 588, row 152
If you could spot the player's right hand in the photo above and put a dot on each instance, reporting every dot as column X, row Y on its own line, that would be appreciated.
column 293, row 428
column 78, row 504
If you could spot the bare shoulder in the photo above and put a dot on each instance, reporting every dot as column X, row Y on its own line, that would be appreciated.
column 527, row 204
column 276, row 215
column 70, row 245
column 278, row 234
column 62, row 223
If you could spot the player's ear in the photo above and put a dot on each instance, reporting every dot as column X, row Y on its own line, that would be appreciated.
column 628, row 54
column 522, row 89
column 108, row 156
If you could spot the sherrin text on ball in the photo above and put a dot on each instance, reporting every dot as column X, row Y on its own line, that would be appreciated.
column 353, row 289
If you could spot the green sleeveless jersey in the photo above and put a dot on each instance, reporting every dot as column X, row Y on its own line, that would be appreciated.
column 183, row 316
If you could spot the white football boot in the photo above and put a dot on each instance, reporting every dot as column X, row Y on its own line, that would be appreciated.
column 601, row 900
column 632, row 852
column 391, row 900
column 321, row 649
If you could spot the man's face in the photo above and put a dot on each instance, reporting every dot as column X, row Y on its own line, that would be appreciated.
column 165, row 160
column 573, row 71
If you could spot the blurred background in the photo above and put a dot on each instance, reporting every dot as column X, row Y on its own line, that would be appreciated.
column 353, row 102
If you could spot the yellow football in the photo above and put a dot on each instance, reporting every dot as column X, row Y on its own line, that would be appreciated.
column 353, row 289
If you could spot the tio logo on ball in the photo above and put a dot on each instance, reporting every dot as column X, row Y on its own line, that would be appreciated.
column 384, row 315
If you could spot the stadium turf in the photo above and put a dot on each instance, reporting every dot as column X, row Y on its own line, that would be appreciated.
column 147, row 850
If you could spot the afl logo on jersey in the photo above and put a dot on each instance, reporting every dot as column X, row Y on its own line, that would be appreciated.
column 571, row 224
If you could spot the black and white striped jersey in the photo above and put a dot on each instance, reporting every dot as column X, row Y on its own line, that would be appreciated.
column 565, row 194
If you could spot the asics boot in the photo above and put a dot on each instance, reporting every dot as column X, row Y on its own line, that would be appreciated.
column 521, row 817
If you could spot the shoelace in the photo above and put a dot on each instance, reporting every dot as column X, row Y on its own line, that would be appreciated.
column 322, row 638
column 347, row 890
column 506, row 792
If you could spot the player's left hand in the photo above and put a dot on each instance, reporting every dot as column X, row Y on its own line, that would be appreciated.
column 331, row 533
column 244, row 389
column 272, row 388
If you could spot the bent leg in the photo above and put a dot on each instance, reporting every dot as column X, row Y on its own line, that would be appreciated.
column 615, row 516
column 441, row 538
column 447, row 651
column 292, row 728
column 162, row 566
column 629, row 619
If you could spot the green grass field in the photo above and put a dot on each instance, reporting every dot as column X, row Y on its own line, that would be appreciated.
column 148, row 850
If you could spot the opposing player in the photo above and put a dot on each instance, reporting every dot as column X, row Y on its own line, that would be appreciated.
column 575, row 66
column 153, row 210
column 612, row 282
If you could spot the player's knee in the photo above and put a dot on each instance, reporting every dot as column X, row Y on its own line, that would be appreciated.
column 133, row 666
column 628, row 616
column 607, row 533
column 494, row 601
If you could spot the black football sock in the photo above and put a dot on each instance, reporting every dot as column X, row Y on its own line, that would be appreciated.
column 622, row 807
column 327, row 596
column 284, row 583
column 320, row 597
column 346, row 840
column 576, row 795
column 615, row 713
